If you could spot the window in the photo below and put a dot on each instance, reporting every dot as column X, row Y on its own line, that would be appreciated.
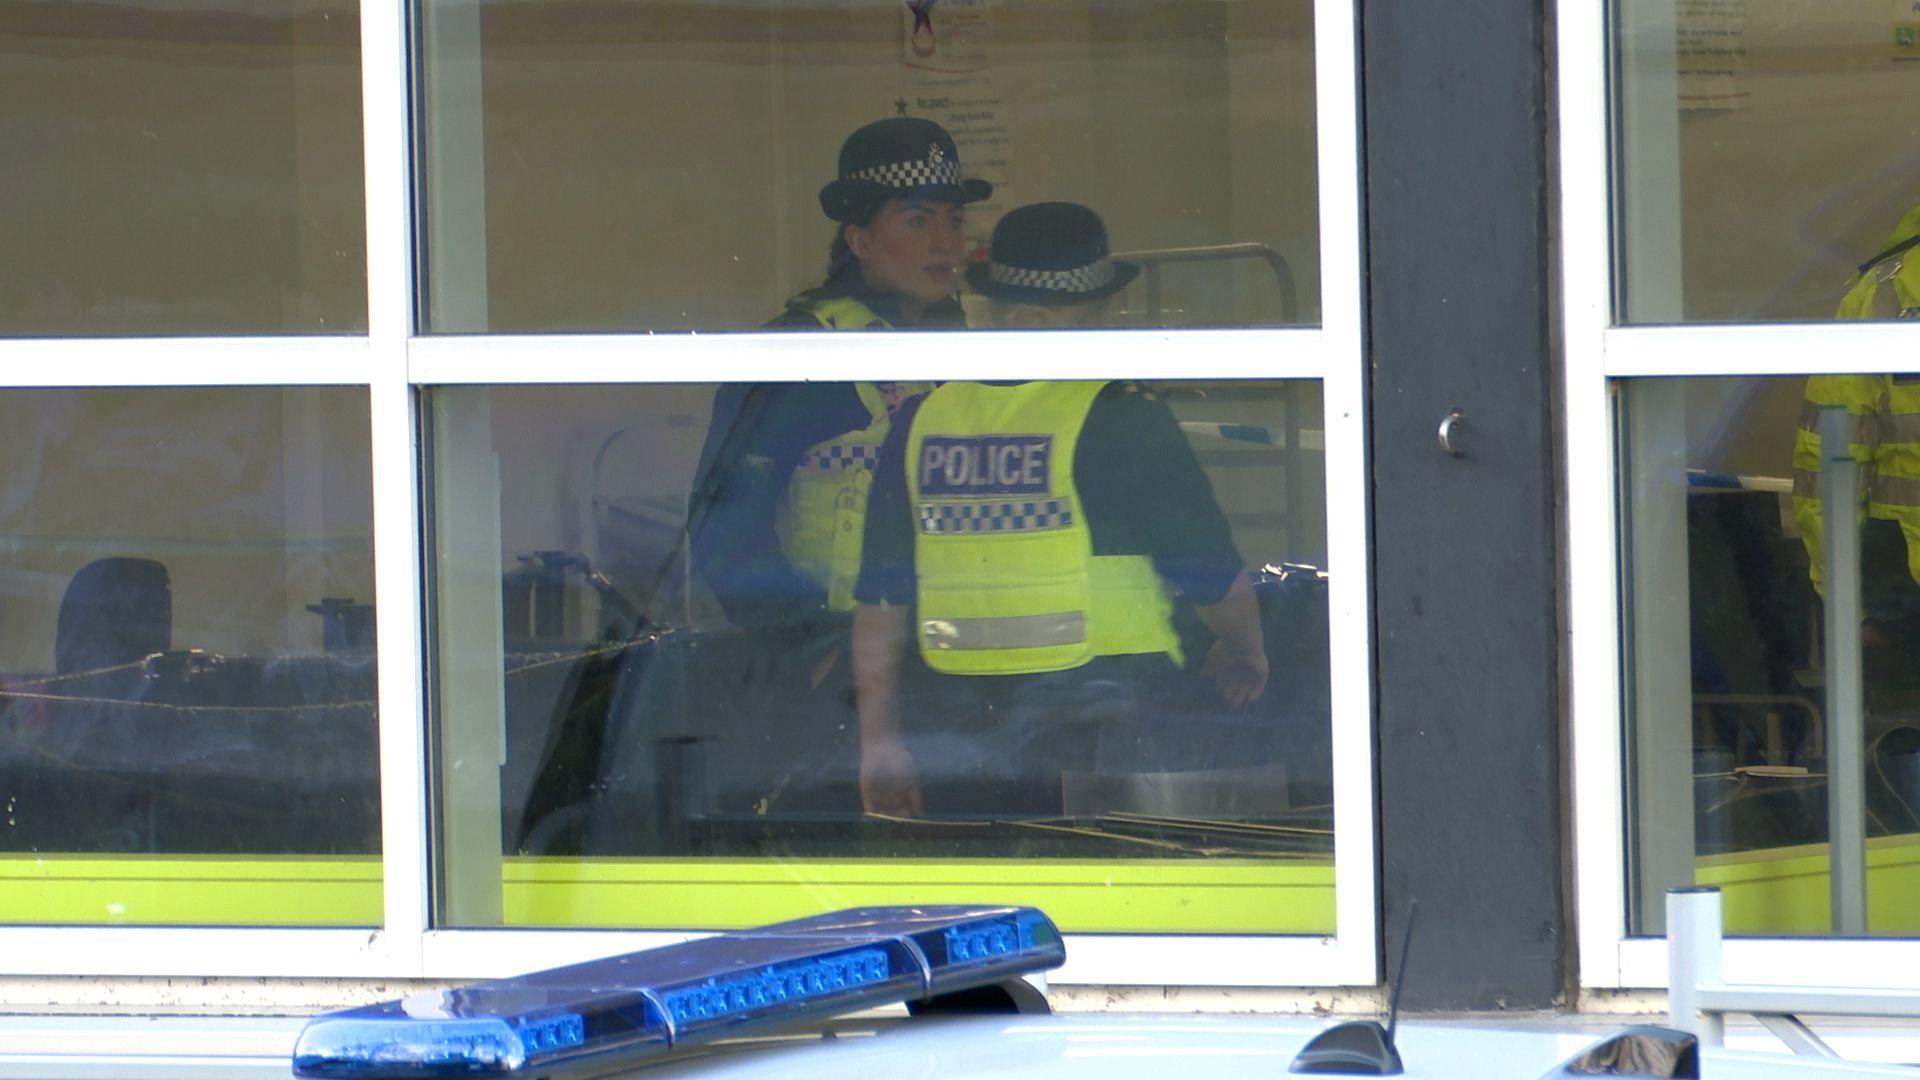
column 182, row 170
column 519, row 354
column 190, row 388
column 1739, row 753
column 189, row 727
column 614, row 737
column 661, row 167
column 663, row 624
column 1736, row 175
column 1762, row 158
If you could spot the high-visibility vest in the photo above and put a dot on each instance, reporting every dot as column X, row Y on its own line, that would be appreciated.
column 845, row 313
column 822, row 517
column 1883, row 411
column 1007, row 580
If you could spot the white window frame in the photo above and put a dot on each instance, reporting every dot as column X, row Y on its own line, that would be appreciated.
column 394, row 364
column 1597, row 352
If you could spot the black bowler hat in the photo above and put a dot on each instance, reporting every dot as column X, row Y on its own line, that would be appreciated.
column 894, row 159
column 1050, row 253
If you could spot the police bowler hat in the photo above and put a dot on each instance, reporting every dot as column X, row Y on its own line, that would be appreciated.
column 1050, row 253
column 895, row 159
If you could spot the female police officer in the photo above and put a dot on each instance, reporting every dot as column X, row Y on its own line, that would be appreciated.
column 778, row 513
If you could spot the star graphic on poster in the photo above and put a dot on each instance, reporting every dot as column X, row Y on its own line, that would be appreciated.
column 922, row 15
column 899, row 106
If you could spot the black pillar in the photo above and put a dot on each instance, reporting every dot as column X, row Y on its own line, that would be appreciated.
column 1465, row 564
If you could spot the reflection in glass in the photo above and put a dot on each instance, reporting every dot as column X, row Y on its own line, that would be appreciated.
column 1765, row 155
column 1754, row 767
column 651, row 675
column 181, row 168
column 186, row 657
column 679, row 166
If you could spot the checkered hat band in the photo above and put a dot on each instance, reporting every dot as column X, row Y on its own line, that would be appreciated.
column 1042, row 515
column 1080, row 279
column 913, row 174
column 841, row 458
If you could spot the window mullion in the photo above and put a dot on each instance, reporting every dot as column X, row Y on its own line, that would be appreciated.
column 1096, row 354
column 385, row 67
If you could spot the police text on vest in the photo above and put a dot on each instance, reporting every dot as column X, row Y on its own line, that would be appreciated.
column 986, row 465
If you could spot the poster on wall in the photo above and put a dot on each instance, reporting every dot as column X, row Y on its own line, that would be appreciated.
column 1710, row 52
column 946, row 61
column 1906, row 29
column 946, row 37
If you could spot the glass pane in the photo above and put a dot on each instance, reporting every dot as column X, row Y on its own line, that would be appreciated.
column 688, row 635
column 1775, row 707
column 672, row 166
column 181, row 168
column 1762, row 159
column 186, row 658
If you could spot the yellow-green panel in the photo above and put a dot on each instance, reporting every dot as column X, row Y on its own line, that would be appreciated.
column 1169, row 896
column 1172, row 896
column 189, row 890
column 1783, row 891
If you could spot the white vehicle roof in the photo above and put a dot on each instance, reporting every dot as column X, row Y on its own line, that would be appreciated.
column 1109, row 1046
column 1123, row 1046
column 765, row 1000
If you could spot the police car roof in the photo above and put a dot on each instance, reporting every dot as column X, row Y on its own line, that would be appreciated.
column 1049, row 1047
column 1133, row 1046
column 727, row 1005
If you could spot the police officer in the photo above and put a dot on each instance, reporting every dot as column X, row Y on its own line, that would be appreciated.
column 778, row 512
column 1025, row 537
column 1884, row 436
column 784, row 468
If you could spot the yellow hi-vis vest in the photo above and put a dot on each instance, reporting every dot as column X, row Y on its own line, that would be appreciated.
column 1008, row 582
column 1883, row 411
column 822, row 518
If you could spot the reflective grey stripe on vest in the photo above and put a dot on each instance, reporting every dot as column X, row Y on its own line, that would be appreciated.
column 1901, row 491
column 1900, row 427
column 1010, row 632
column 1860, row 427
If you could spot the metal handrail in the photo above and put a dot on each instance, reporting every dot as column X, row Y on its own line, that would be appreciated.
column 1152, row 259
column 1699, row 997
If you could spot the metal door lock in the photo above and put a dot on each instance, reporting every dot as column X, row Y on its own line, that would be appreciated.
column 1449, row 432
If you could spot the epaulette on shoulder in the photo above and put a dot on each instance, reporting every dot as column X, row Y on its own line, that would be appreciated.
column 1898, row 249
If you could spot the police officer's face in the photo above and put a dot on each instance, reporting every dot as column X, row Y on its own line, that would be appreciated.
column 1051, row 316
column 913, row 249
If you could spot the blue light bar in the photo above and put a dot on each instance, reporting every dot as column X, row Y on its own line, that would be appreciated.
column 606, row 1014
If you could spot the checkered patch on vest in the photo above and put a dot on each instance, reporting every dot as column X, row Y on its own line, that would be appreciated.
column 1039, row 516
column 841, row 458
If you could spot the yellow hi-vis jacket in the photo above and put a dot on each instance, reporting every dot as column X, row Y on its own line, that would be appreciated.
column 1007, row 580
column 822, row 518
column 1883, row 411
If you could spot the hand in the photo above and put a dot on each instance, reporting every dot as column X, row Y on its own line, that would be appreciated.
column 1240, row 677
column 889, row 782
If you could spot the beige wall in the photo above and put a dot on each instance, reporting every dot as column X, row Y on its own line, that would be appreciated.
column 181, row 169
column 1783, row 195
column 658, row 165
column 258, row 501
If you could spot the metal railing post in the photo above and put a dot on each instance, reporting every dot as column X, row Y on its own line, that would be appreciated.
column 1846, row 741
column 1693, row 961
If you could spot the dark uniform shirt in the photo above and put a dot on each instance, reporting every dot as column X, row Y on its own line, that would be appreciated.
column 1141, row 488
column 758, row 433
